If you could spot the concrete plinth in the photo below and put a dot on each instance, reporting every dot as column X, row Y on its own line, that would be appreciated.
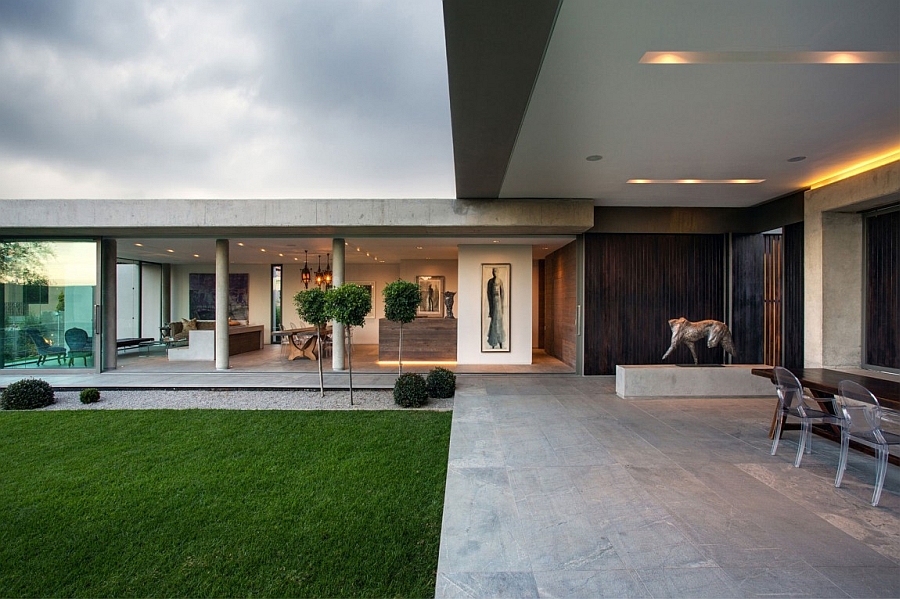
column 665, row 380
column 201, row 346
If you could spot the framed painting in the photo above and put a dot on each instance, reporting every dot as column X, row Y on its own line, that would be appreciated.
column 370, row 287
column 202, row 296
column 495, row 302
column 431, row 296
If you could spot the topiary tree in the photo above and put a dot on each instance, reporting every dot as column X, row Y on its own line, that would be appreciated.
column 90, row 395
column 311, row 305
column 401, row 299
column 441, row 383
column 27, row 394
column 348, row 304
column 410, row 390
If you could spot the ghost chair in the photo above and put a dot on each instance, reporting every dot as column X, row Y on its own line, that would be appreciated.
column 793, row 402
column 44, row 349
column 862, row 416
column 80, row 345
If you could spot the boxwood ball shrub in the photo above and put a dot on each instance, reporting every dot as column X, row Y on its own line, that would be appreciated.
column 89, row 395
column 440, row 383
column 27, row 394
column 410, row 390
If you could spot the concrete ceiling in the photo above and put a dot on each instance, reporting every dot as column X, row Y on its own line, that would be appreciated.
column 537, row 86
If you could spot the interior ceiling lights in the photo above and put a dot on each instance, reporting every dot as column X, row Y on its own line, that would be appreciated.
column 319, row 276
column 698, row 181
column 305, row 275
column 328, row 275
column 770, row 57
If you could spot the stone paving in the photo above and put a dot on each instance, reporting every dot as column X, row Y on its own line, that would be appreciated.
column 558, row 488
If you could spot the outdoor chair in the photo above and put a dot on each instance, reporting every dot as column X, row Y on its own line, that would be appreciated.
column 80, row 345
column 793, row 402
column 862, row 416
column 44, row 349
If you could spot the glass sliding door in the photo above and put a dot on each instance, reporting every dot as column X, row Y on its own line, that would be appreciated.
column 47, row 298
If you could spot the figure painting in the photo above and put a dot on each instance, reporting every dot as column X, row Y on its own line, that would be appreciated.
column 495, row 307
column 431, row 296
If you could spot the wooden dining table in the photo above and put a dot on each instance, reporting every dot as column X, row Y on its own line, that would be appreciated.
column 823, row 383
column 302, row 341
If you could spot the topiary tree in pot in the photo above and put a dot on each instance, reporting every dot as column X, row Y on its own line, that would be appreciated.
column 401, row 299
column 310, row 306
column 348, row 305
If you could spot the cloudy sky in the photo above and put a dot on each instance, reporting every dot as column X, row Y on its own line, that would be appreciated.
column 223, row 99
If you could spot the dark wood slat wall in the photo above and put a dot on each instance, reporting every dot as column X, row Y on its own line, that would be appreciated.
column 560, row 302
column 882, row 280
column 792, row 296
column 772, row 299
column 635, row 283
column 747, row 300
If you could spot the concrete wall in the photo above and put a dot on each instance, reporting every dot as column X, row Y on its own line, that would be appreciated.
column 833, row 264
column 468, row 303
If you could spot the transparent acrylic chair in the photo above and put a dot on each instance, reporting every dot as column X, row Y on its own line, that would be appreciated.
column 862, row 423
column 793, row 402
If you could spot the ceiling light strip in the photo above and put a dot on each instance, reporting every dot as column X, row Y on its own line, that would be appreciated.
column 771, row 57
column 857, row 169
column 696, row 181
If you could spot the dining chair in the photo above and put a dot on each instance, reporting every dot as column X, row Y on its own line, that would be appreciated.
column 862, row 416
column 793, row 402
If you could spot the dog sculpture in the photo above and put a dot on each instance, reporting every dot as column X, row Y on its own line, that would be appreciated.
column 687, row 332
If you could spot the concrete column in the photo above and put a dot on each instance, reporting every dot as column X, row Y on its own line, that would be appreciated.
column 833, row 264
column 222, row 304
column 108, row 310
column 337, row 269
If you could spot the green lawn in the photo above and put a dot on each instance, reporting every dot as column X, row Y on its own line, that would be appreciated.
column 217, row 503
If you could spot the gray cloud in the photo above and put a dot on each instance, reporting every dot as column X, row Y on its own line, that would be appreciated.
column 223, row 99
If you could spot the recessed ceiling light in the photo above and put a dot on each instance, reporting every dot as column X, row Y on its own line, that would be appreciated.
column 698, row 181
column 281, row 255
column 241, row 243
column 171, row 251
column 495, row 241
column 140, row 245
column 771, row 57
column 594, row 158
column 796, row 159
column 196, row 255
column 262, row 249
column 419, row 247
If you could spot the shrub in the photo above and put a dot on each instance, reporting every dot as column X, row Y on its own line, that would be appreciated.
column 89, row 395
column 27, row 394
column 441, row 383
column 410, row 390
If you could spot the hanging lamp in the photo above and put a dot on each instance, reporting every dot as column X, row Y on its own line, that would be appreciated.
column 328, row 274
column 319, row 276
column 305, row 274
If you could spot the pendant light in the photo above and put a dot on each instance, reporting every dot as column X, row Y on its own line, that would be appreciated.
column 319, row 276
column 328, row 274
column 305, row 274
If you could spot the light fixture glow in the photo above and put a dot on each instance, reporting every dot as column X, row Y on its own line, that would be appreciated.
column 196, row 255
column 696, row 181
column 856, row 169
column 305, row 275
column 171, row 251
column 140, row 245
column 241, row 243
column 771, row 56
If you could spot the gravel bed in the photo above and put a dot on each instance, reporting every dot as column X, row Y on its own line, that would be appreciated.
column 237, row 399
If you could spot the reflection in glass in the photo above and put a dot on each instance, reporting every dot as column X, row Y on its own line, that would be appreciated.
column 47, row 304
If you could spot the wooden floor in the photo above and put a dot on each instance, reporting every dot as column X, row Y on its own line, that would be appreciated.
column 365, row 360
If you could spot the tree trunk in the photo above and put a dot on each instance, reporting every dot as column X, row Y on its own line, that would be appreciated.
column 400, row 351
column 350, row 359
column 319, row 349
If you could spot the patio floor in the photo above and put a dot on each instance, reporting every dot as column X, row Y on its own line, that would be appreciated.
column 558, row 488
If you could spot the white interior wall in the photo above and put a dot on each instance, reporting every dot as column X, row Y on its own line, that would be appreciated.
column 151, row 299
column 127, row 306
column 468, row 303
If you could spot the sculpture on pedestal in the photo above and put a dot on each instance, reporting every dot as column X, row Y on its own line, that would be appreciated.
column 687, row 332
column 448, row 303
